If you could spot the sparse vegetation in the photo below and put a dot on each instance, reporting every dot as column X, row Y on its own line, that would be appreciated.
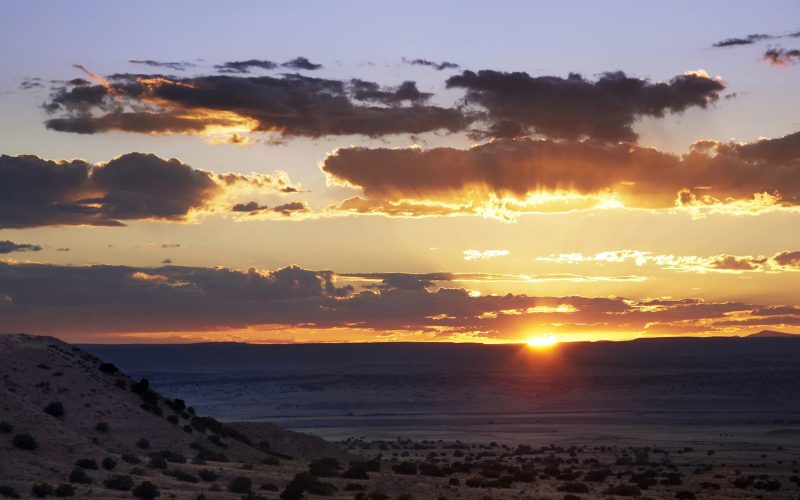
column 41, row 490
column 24, row 441
column 143, row 443
column 108, row 368
column 54, row 409
column 8, row 492
column 79, row 476
column 109, row 463
column 120, row 482
column 146, row 491
column 86, row 463
column 101, row 427
column 64, row 490
column 240, row 485
column 5, row 427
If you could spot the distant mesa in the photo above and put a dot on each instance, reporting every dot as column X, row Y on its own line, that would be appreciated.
column 772, row 334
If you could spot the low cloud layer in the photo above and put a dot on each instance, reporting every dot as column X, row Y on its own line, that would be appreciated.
column 39, row 192
column 782, row 261
column 518, row 104
column 505, row 178
column 108, row 300
column 782, row 57
column 439, row 66
column 7, row 246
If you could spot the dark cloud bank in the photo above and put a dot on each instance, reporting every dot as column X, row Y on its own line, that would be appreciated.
column 39, row 192
column 496, row 104
column 65, row 300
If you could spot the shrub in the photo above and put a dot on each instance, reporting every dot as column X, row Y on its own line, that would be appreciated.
column 173, row 419
column 293, row 491
column 623, row 490
column 172, row 456
column 87, row 463
column 157, row 462
column 109, row 463
column 24, row 441
column 354, row 487
column 108, row 368
column 356, row 471
column 409, row 468
column 79, row 476
column 119, row 482
column 188, row 429
column 64, row 490
column 143, row 443
column 324, row 467
column 130, row 458
column 6, row 428
column 574, row 487
column 208, row 475
column 271, row 461
column 101, row 427
column 269, row 487
column 54, row 409
column 184, row 476
column 146, row 491
column 8, row 492
column 41, row 490
column 240, row 485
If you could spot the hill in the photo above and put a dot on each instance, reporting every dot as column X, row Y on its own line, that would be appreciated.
column 63, row 410
column 772, row 334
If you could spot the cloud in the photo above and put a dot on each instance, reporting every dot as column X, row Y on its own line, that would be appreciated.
column 783, row 261
column 782, row 57
column 7, row 246
column 109, row 300
column 301, row 63
column 508, row 177
column 748, row 40
column 285, row 209
column 223, row 105
column 177, row 66
column 485, row 254
column 605, row 109
column 439, row 66
column 39, row 192
column 239, row 67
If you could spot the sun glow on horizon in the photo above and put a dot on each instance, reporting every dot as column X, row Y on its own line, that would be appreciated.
column 542, row 342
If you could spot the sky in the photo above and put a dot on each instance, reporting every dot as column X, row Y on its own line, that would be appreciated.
column 431, row 171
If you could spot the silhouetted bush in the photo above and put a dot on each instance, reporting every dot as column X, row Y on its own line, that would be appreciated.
column 173, row 419
column 109, row 463
column 293, row 491
column 409, row 468
column 271, row 461
column 143, row 443
column 357, row 470
column 685, row 495
column 623, row 490
column 240, row 485
column 146, row 491
column 119, row 482
column 354, row 487
column 24, row 441
column 269, row 487
column 64, row 490
column 208, row 475
column 188, row 429
column 597, row 475
column 324, row 467
column 101, row 427
column 41, row 490
column 172, row 456
column 573, row 487
column 108, row 368
column 185, row 476
column 130, row 458
column 8, row 492
column 6, row 428
column 86, row 463
column 157, row 462
column 54, row 409
column 79, row 476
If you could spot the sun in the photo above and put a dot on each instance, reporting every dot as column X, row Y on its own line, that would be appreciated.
column 542, row 342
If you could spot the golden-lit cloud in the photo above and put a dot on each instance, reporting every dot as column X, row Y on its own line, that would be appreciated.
column 506, row 178
column 471, row 254
column 783, row 261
